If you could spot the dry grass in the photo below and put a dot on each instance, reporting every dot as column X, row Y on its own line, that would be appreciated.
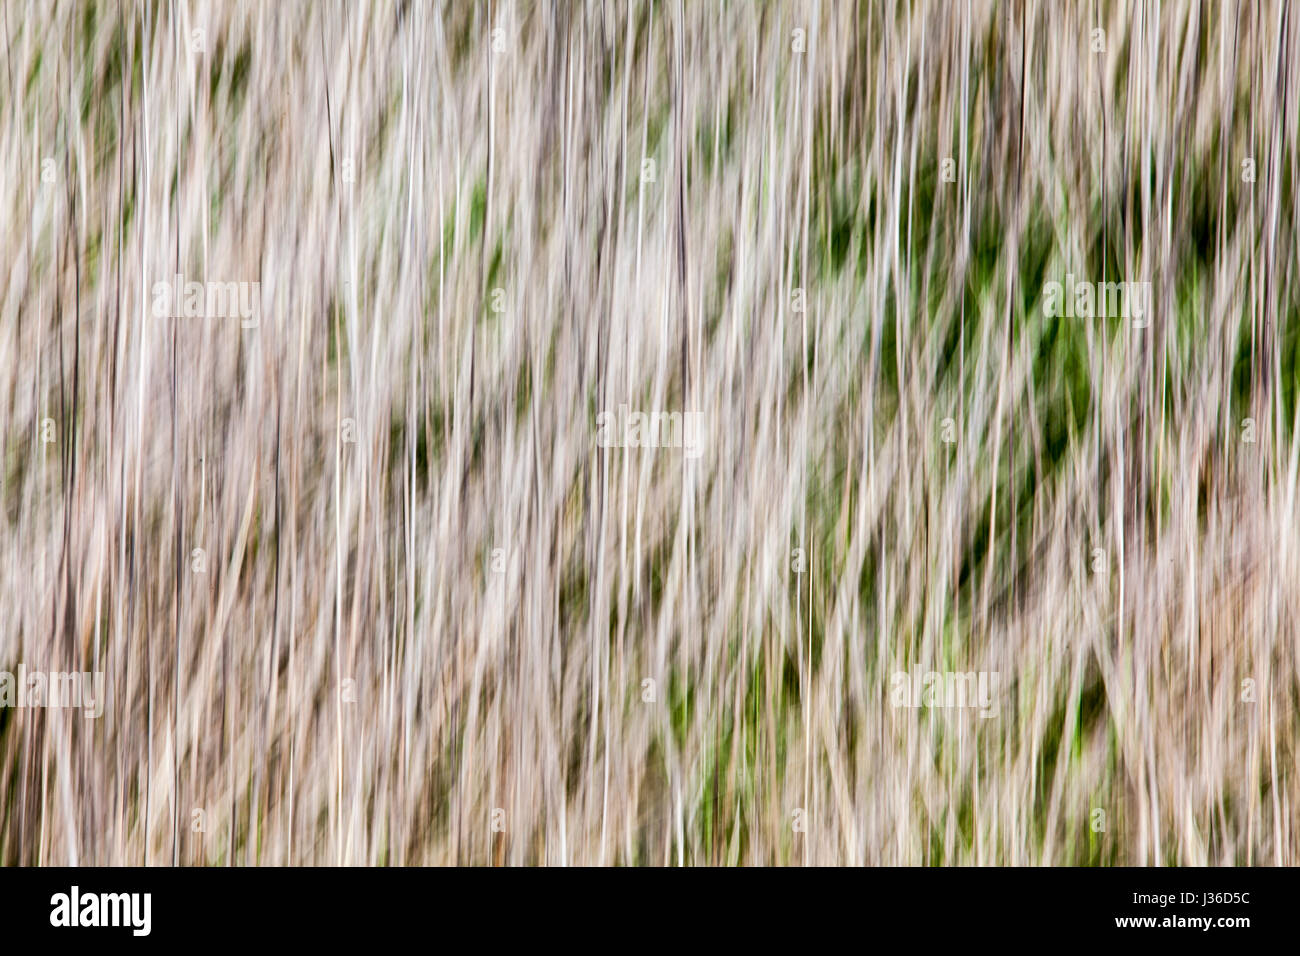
column 360, row 677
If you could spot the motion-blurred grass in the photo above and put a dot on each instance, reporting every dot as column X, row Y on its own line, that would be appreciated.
column 439, row 624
